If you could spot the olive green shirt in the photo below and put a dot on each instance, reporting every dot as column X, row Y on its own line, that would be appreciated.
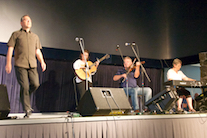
column 25, row 45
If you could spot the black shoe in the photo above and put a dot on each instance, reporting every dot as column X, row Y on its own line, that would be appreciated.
column 28, row 113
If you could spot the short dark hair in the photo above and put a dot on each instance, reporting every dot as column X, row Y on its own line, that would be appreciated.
column 22, row 18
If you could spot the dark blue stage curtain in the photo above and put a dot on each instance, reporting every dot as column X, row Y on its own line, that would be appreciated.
column 56, row 91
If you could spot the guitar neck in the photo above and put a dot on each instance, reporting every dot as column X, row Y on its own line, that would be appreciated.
column 104, row 57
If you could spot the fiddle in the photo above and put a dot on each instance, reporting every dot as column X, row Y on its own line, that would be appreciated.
column 133, row 66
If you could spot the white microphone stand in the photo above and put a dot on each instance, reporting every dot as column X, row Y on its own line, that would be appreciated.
column 81, row 42
column 127, row 83
column 143, row 72
column 127, row 88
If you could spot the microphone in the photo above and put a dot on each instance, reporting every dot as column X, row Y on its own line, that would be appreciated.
column 117, row 47
column 78, row 39
column 130, row 44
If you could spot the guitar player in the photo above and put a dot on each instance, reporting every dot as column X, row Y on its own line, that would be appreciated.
column 79, row 64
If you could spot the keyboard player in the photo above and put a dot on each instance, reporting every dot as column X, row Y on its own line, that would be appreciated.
column 176, row 74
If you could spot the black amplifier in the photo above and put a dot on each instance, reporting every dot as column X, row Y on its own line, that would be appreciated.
column 163, row 101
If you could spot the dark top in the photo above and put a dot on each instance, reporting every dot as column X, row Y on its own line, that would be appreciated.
column 132, row 82
column 25, row 45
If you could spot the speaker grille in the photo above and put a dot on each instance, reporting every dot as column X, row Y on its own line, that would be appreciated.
column 104, row 101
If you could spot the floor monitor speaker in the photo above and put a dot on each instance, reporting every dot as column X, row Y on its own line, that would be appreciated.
column 200, row 102
column 4, row 102
column 104, row 101
column 163, row 101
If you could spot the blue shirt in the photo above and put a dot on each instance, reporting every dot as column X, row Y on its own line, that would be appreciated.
column 132, row 81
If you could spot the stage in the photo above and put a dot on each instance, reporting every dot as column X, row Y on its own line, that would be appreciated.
column 63, row 125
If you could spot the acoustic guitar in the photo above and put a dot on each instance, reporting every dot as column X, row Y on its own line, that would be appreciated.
column 81, row 73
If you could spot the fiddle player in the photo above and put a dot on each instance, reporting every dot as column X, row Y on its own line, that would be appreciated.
column 80, row 64
column 133, row 88
column 176, row 74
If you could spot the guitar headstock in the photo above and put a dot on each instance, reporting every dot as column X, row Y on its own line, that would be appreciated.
column 104, row 57
column 107, row 56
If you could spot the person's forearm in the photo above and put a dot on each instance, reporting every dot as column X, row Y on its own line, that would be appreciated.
column 137, row 72
column 117, row 77
column 189, row 79
column 8, row 67
column 40, row 59
column 39, row 56
column 9, row 55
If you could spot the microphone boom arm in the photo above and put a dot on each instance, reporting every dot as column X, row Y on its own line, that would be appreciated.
column 120, row 52
column 143, row 69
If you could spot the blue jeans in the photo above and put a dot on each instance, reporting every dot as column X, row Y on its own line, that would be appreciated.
column 133, row 92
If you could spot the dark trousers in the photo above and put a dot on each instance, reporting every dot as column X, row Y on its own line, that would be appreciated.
column 81, row 87
column 28, row 80
column 182, row 91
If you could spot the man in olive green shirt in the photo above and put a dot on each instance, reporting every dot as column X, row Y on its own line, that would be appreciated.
column 27, row 48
